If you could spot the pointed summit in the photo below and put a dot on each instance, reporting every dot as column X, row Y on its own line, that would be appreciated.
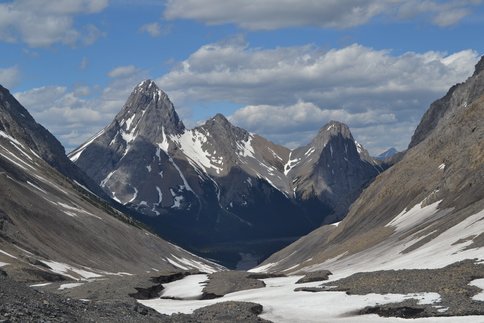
column 329, row 131
column 221, row 127
column 147, row 118
column 387, row 153
column 334, row 128
column 220, row 118
column 149, row 107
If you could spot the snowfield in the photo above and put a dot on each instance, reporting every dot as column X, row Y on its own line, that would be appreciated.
column 188, row 288
column 282, row 304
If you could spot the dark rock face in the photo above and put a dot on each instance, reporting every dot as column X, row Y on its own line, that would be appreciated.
column 217, row 187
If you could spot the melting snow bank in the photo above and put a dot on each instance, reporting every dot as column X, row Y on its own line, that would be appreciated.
column 188, row 288
column 478, row 283
column 282, row 304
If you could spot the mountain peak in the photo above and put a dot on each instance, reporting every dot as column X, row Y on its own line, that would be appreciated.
column 147, row 85
column 387, row 153
column 147, row 98
column 220, row 126
column 219, row 120
column 150, row 88
column 335, row 128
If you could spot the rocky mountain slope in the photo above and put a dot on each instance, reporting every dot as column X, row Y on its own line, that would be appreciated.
column 427, row 211
column 218, row 189
column 55, row 228
column 19, row 124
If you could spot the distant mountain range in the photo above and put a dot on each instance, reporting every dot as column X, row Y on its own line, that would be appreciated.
column 218, row 189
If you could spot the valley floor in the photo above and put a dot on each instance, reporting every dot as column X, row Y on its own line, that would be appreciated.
column 451, row 294
column 454, row 296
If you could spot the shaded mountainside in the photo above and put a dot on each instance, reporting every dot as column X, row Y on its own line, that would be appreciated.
column 427, row 211
column 55, row 228
column 218, row 189
column 18, row 123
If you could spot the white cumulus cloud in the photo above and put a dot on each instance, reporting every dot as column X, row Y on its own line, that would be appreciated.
column 123, row 71
column 274, row 14
column 153, row 29
column 292, row 91
column 41, row 23
column 9, row 76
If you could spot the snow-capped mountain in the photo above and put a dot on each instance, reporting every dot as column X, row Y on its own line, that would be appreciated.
column 53, row 225
column 427, row 211
column 219, row 184
column 387, row 154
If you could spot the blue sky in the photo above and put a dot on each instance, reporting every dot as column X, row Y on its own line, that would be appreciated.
column 278, row 68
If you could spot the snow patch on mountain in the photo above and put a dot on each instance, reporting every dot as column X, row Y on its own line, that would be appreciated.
column 409, row 219
column 291, row 163
column 191, row 143
column 245, row 148
column 74, row 155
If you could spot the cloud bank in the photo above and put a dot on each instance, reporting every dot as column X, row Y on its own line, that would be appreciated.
column 41, row 23
column 292, row 91
column 274, row 14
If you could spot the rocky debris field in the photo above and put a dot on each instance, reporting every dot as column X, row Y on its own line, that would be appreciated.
column 20, row 303
column 315, row 276
column 225, row 282
column 118, row 288
column 112, row 300
column 234, row 312
column 451, row 283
